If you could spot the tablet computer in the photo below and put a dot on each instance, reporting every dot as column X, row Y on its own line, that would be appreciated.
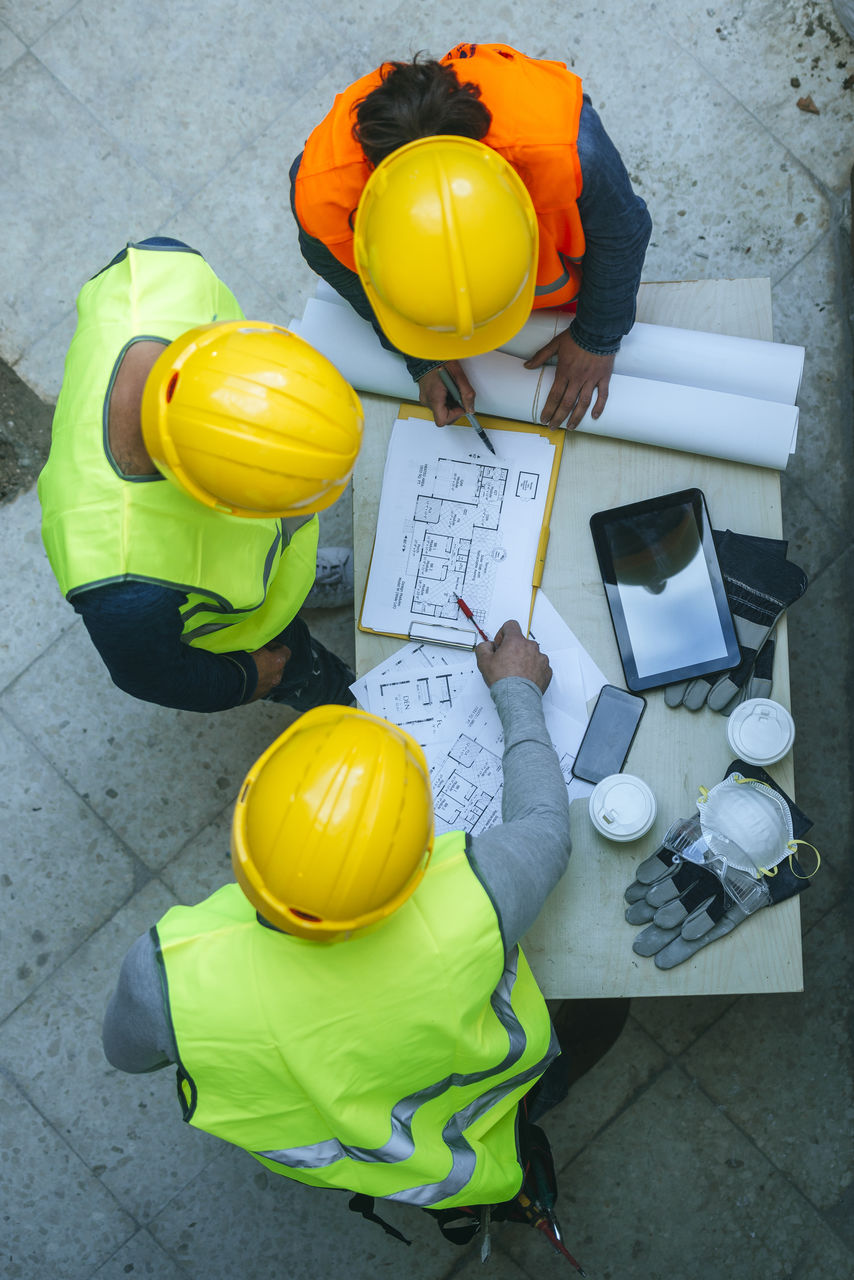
column 665, row 590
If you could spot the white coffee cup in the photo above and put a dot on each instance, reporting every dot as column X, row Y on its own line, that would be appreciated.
column 622, row 807
column 760, row 731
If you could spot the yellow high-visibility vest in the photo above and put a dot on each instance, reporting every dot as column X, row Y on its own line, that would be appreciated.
column 245, row 579
column 389, row 1063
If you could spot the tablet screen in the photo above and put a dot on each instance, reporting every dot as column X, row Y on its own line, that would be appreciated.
column 665, row 591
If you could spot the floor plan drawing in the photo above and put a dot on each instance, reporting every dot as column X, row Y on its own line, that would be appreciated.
column 456, row 521
column 467, row 786
column 455, row 541
column 417, row 688
column 409, row 694
column 419, row 702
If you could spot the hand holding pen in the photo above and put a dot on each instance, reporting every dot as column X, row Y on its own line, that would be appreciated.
column 433, row 393
column 510, row 654
column 451, row 386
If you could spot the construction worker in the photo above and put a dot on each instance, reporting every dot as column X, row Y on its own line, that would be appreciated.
column 356, row 1011
column 191, row 450
column 445, row 200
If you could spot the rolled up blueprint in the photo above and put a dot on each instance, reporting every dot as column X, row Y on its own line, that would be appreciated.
column 355, row 350
column 689, row 357
column 691, row 419
column 326, row 293
column 716, row 361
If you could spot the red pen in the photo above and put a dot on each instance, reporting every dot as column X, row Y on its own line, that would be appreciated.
column 467, row 611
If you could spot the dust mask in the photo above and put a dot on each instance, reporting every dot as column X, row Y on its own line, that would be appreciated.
column 747, row 823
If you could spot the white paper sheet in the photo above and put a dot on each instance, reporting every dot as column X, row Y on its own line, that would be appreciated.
column 326, row 293
column 465, row 770
column 716, row 361
column 355, row 350
column 416, row 657
column 555, row 639
column 455, row 521
column 690, row 357
column 418, row 700
column 692, row 419
column 576, row 679
column 439, row 697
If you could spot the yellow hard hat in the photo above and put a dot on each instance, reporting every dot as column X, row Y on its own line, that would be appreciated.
column 446, row 243
column 247, row 417
column 333, row 828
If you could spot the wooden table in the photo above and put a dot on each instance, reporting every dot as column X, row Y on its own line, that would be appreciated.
column 581, row 945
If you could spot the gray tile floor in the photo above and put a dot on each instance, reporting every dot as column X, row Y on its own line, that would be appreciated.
column 714, row 1139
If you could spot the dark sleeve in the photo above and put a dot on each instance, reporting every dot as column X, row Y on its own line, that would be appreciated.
column 136, row 628
column 617, row 227
column 346, row 282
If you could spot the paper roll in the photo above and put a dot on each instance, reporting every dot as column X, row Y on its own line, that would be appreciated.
column 326, row 293
column 355, row 350
column 689, row 357
column 692, row 419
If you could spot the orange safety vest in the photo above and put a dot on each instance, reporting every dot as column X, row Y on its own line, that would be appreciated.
column 535, row 107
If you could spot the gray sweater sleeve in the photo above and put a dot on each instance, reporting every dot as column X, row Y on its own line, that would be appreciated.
column 137, row 1033
column 520, row 860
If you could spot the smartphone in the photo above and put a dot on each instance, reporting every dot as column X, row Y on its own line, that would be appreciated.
column 609, row 734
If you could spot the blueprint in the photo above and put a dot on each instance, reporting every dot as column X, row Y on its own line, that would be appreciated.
column 417, row 687
column 466, row 772
column 417, row 698
column 456, row 521
column 467, row 784
column 437, row 694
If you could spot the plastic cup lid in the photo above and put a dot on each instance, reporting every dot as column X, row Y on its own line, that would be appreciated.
column 622, row 807
column 761, row 731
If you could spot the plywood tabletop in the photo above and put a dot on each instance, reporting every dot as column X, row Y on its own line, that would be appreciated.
column 581, row 944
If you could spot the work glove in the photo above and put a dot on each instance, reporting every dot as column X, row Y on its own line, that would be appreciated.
column 685, row 905
column 760, row 585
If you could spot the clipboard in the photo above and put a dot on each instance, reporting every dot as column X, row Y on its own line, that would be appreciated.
column 464, row 636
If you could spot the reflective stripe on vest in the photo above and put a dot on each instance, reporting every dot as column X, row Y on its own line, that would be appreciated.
column 244, row 579
column 535, row 106
column 401, row 1146
column 276, row 1041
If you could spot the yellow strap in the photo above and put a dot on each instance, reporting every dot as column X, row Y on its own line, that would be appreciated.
column 792, row 844
column 736, row 777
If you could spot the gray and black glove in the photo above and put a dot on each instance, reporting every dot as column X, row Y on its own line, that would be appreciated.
column 760, row 585
column 685, row 906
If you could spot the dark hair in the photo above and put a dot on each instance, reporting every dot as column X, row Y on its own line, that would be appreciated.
column 417, row 100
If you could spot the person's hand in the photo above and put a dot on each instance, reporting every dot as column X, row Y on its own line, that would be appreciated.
column 270, row 664
column 433, row 393
column 578, row 374
column 510, row 654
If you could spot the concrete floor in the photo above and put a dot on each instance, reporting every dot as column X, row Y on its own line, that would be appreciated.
column 713, row 1140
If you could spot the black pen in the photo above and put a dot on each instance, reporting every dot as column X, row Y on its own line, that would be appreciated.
column 455, row 392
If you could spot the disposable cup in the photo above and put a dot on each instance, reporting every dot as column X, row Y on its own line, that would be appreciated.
column 622, row 807
column 760, row 731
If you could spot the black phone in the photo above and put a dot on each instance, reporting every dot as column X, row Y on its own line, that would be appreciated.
column 609, row 734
